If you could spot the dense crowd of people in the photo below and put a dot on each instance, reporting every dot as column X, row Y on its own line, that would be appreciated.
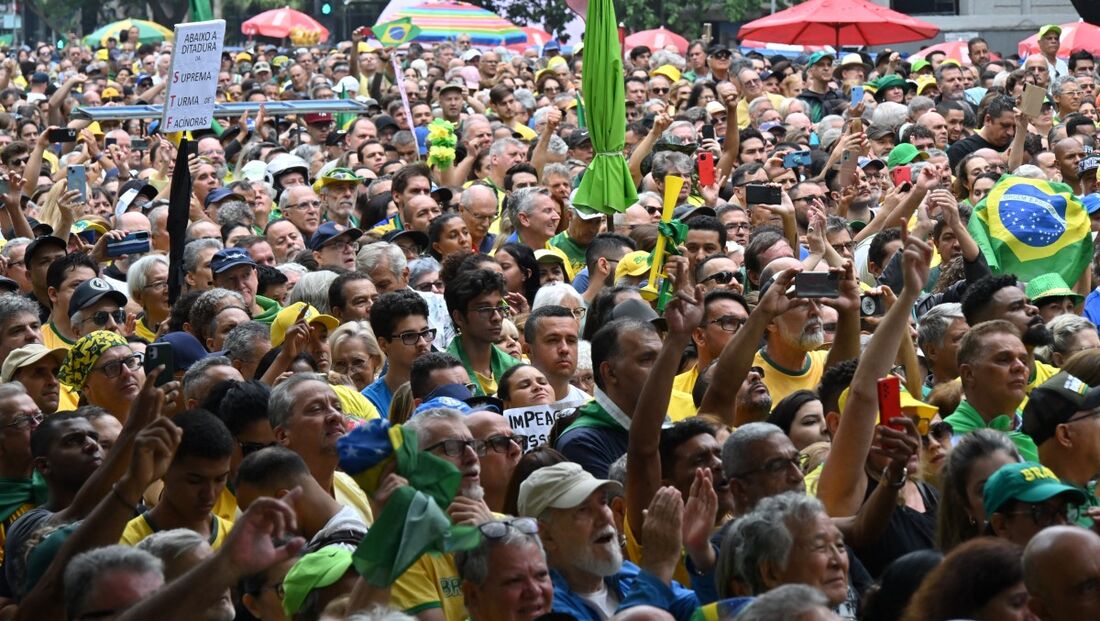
column 733, row 448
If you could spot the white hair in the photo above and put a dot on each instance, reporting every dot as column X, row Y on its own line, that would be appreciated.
column 553, row 294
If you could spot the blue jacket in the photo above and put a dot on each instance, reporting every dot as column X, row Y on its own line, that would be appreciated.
column 635, row 587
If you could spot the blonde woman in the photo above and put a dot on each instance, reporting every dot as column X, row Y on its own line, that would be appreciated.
column 355, row 353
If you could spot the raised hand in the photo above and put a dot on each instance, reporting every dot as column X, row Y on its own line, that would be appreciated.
column 662, row 533
column 250, row 547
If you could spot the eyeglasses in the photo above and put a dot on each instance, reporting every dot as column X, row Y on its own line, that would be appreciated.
column 659, row 91
column 498, row 529
column 114, row 368
column 1046, row 515
column 22, row 421
column 724, row 277
column 102, row 317
column 775, row 466
column 808, row 198
column 160, row 285
column 455, row 447
column 729, row 323
column 412, row 338
column 940, row 432
column 429, row 286
column 248, row 448
column 489, row 217
column 840, row 248
column 738, row 226
column 111, row 100
column 305, row 205
column 502, row 444
column 344, row 246
column 487, row 312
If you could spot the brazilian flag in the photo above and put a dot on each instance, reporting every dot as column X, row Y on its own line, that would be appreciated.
column 1030, row 227
column 393, row 34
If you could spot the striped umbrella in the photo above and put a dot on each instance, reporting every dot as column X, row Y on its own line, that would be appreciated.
column 536, row 37
column 148, row 32
column 444, row 21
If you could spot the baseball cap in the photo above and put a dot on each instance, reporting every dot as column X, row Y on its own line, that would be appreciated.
column 584, row 213
column 39, row 77
column 1091, row 202
column 560, row 486
column 219, row 195
column 555, row 255
column 418, row 237
column 875, row 132
column 42, row 242
column 633, row 263
column 579, row 137
column 925, row 81
column 144, row 188
column 7, row 285
column 1051, row 286
column 717, row 48
column 330, row 231
column 334, row 176
column 715, row 107
column 442, row 401
column 228, row 258
column 385, row 121
column 872, row 162
column 289, row 316
column 471, row 54
column 1026, row 481
column 186, row 349
column 315, row 570
column 640, row 310
column 453, row 86
column 1054, row 402
column 28, row 355
column 919, row 65
column 904, row 153
column 261, row 66
column 684, row 213
column 110, row 92
column 91, row 291
column 1089, row 163
column 317, row 117
column 551, row 45
column 817, row 57
column 1048, row 29
column 670, row 72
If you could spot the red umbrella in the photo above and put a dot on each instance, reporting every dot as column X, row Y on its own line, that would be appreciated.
column 954, row 49
column 657, row 39
column 536, row 37
column 838, row 22
column 1075, row 36
column 279, row 22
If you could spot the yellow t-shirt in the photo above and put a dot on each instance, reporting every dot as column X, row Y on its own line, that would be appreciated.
column 354, row 403
column 431, row 582
column 141, row 330
column 1043, row 372
column 743, row 109
column 139, row 528
column 52, row 339
column 782, row 382
column 488, row 384
column 226, row 505
column 348, row 493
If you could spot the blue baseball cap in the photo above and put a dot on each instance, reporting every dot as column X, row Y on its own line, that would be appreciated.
column 186, row 349
column 219, row 195
column 228, row 258
column 442, row 402
column 1091, row 202
column 330, row 231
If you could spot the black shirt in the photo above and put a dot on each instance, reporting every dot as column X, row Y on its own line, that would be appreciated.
column 966, row 146
column 908, row 531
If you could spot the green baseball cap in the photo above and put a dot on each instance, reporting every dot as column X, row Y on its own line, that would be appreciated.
column 817, row 57
column 1051, row 286
column 315, row 570
column 903, row 154
column 919, row 65
column 1028, row 482
column 1048, row 29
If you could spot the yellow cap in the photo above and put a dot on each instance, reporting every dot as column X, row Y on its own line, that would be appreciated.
column 632, row 264
column 924, row 82
column 244, row 57
column 670, row 72
column 289, row 315
column 909, row 405
column 110, row 91
column 553, row 254
column 102, row 54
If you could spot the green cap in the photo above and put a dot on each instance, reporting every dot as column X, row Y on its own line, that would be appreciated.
column 1026, row 481
column 903, row 154
column 336, row 175
column 1048, row 29
column 817, row 57
column 1051, row 286
column 315, row 570
column 891, row 81
column 919, row 64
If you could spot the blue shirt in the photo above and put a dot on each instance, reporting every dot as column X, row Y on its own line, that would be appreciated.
column 634, row 587
column 580, row 281
column 1092, row 307
column 379, row 394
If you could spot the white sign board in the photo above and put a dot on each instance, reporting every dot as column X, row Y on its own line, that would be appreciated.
column 193, row 76
column 534, row 422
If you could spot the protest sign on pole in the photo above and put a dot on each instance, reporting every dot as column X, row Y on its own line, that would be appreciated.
column 534, row 422
column 193, row 76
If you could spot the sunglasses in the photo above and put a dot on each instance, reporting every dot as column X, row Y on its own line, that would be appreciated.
column 102, row 317
column 247, row 448
column 723, row 278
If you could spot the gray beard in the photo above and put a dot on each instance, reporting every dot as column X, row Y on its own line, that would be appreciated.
column 601, row 567
column 473, row 492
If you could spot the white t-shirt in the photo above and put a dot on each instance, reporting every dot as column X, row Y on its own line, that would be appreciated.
column 605, row 600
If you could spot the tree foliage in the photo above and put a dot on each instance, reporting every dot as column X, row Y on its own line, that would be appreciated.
column 686, row 18
column 551, row 15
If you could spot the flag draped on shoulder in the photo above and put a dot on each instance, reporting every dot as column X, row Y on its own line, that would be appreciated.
column 1030, row 227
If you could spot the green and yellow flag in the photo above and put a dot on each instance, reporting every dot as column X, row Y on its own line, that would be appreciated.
column 393, row 34
column 1030, row 227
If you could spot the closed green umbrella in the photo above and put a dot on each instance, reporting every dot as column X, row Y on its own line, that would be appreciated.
column 606, row 186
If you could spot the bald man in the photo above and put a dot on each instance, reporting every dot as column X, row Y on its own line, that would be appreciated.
column 1062, row 574
column 935, row 122
column 1068, row 152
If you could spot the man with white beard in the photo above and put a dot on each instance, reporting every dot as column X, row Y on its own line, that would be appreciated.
column 792, row 358
column 431, row 588
column 338, row 189
column 577, row 528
